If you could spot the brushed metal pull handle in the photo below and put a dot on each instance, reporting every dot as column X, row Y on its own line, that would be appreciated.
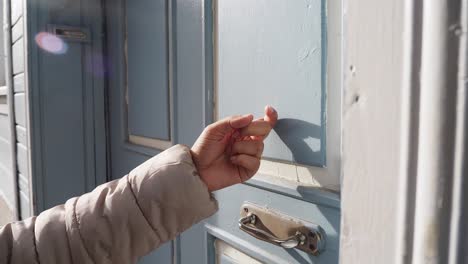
column 247, row 224
column 281, row 229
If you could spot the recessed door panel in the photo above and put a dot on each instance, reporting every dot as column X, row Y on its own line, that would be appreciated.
column 271, row 52
column 147, row 69
column 139, row 89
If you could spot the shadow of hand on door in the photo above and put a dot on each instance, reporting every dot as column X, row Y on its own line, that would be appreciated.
column 297, row 135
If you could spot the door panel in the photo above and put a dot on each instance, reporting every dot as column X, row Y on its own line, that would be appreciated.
column 223, row 224
column 66, row 101
column 271, row 53
column 139, row 89
column 147, row 69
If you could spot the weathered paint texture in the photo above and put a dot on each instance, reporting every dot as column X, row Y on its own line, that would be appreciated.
column 371, row 127
column 271, row 52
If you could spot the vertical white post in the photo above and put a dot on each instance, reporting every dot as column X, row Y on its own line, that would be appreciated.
column 458, row 252
column 436, row 130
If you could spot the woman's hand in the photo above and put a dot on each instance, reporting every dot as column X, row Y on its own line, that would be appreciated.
column 229, row 151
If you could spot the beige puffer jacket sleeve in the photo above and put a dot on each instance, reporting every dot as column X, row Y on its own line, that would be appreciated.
column 119, row 221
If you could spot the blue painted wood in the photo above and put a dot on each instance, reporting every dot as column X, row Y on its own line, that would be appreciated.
column 279, row 62
column 192, row 108
column 125, row 156
column 67, row 100
column 210, row 247
column 191, row 67
column 230, row 201
column 311, row 204
column 306, row 193
column 95, row 71
column 64, row 136
column 148, row 69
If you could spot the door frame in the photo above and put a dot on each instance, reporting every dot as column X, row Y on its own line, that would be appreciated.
column 405, row 132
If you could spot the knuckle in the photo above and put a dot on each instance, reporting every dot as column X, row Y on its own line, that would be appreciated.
column 260, row 146
column 209, row 127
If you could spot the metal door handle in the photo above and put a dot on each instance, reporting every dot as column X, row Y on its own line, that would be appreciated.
column 282, row 230
column 289, row 242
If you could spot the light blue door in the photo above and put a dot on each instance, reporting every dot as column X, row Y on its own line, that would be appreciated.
column 177, row 65
column 139, row 88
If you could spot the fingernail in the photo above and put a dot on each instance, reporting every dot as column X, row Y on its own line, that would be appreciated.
column 271, row 109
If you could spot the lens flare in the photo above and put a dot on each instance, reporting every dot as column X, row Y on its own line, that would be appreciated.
column 95, row 64
column 51, row 43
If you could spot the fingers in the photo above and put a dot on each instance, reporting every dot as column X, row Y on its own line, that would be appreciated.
column 237, row 122
column 256, row 128
column 260, row 128
column 271, row 116
column 231, row 123
column 251, row 147
column 249, row 163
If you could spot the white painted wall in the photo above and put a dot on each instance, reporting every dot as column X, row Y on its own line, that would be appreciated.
column 371, row 128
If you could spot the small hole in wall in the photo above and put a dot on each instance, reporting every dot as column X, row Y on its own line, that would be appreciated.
column 352, row 69
column 356, row 98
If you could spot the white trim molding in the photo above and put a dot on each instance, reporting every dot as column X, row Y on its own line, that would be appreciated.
column 432, row 205
column 373, row 57
column 442, row 145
